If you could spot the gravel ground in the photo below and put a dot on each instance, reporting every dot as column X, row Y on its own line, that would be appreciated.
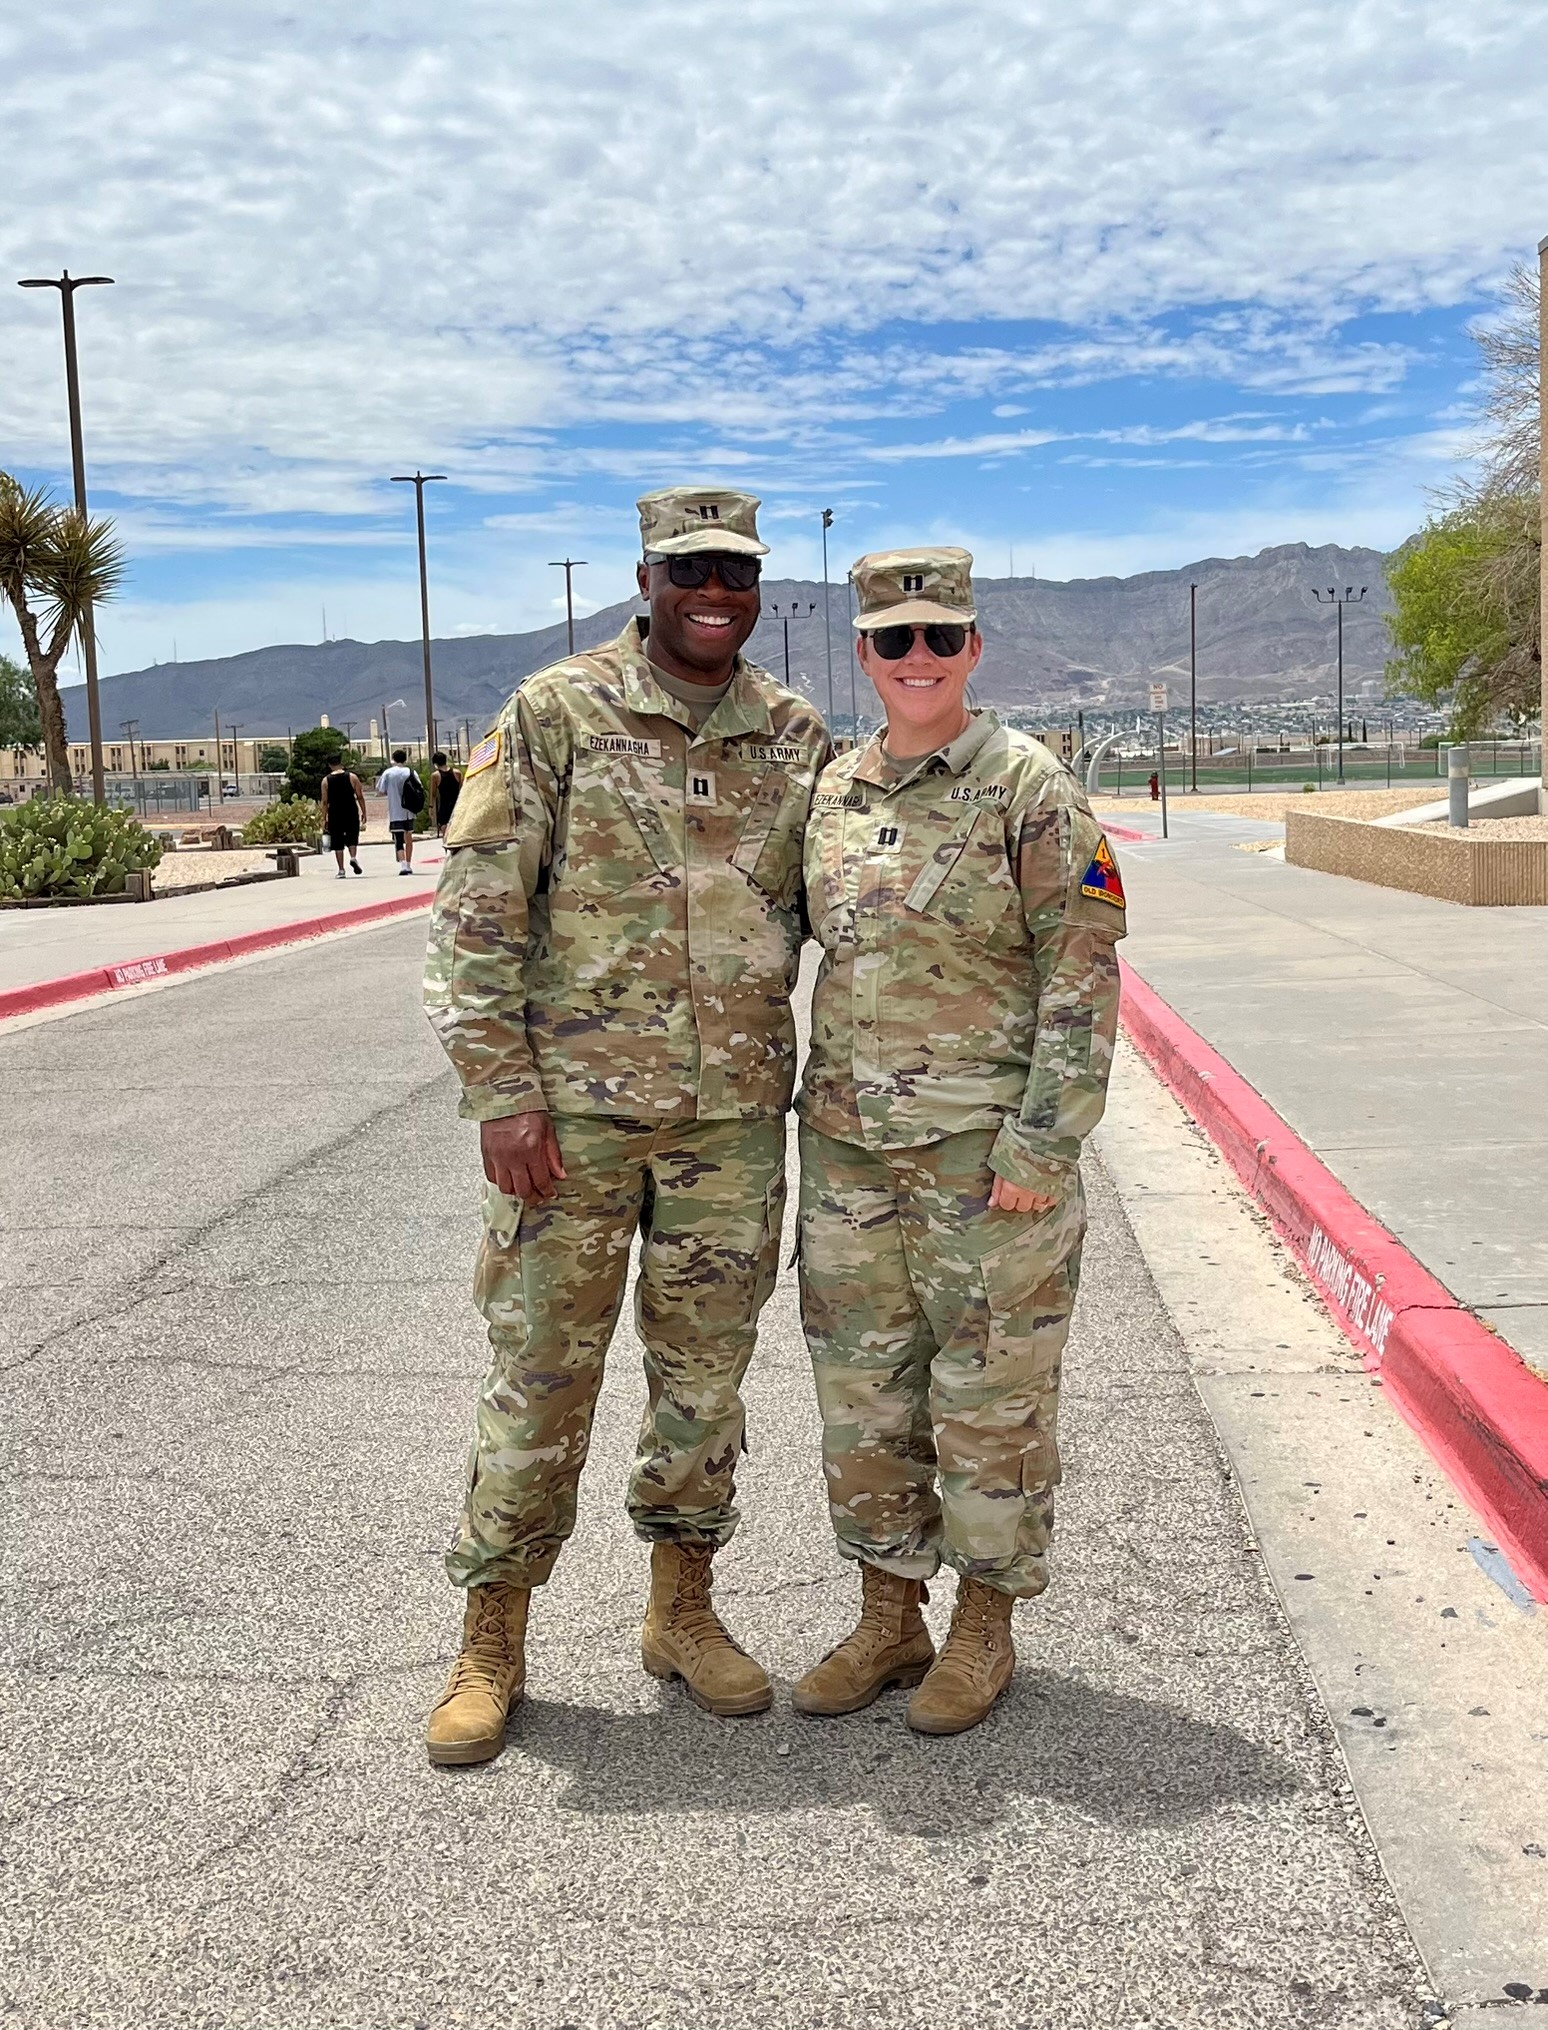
column 183, row 870
column 1494, row 828
column 1272, row 804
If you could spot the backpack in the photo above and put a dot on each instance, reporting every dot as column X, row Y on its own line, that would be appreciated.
column 411, row 793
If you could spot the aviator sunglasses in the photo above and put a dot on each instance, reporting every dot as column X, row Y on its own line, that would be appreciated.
column 941, row 638
column 737, row 574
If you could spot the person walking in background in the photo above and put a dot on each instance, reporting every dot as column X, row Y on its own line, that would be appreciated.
column 968, row 906
column 343, row 814
column 405, row 800
column 445, row 783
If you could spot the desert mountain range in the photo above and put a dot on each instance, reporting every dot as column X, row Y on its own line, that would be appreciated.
column 1086, row 643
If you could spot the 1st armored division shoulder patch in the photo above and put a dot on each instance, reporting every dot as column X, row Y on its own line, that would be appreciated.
column 1102, row 879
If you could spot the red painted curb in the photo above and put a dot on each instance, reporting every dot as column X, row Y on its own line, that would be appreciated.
column 1479, row 1408
column 1123, row 832
column 133, row 972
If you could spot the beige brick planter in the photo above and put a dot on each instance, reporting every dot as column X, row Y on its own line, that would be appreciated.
column 1498, row 873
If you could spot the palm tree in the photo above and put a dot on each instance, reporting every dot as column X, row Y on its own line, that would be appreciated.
column 55, row 566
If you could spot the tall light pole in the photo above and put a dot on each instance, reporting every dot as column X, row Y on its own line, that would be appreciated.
column 1333, row 597
column 419, row 481
column 567, row 565
column 787, row 614
column 1193, row 682
column 854, row 709
column 827, row 616
column 67, row 284
column 1542, row 470
column 131, row 727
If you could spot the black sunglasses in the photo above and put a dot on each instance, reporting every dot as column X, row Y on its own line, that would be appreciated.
column 737, row 574
column 941, row 638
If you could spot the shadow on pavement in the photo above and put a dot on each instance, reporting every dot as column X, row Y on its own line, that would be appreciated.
column 1127, row 1761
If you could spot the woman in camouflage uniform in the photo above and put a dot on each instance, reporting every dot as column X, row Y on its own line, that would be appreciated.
column 968, row 907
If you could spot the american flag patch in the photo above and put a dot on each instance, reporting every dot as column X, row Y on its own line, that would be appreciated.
column 485, row 755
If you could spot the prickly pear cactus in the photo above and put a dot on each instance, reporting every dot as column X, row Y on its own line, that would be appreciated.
column 59, row 846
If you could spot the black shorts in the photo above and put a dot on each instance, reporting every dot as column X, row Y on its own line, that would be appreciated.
column 401, row 827
column 347, row 841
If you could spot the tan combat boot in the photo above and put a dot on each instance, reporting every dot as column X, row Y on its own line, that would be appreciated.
column 683, row 1637
column 467, row 1723
column 889, row 1645
column 973, row 1669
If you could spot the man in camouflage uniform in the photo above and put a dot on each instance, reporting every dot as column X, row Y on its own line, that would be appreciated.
column 968, row 907
column 611, row 960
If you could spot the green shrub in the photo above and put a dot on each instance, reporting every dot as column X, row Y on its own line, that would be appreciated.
column 60, row 846
column 1308, row 789
column 287, row 821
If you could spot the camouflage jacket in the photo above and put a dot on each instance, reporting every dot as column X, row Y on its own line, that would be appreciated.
column 620, row 915
column 968, row 915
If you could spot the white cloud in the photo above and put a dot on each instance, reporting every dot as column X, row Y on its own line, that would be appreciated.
column 338, row 246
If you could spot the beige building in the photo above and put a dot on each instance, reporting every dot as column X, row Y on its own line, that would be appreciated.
column 144, row 757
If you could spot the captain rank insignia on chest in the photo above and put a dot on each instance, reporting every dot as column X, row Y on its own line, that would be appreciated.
column 701, row 787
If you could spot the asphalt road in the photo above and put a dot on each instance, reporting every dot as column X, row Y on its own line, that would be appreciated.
column 239, row 1361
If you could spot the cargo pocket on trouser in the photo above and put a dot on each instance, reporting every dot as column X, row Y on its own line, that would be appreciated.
column 996, row 1420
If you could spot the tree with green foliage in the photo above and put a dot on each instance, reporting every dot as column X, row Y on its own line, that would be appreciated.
column 311, row 757
column 20, row 723
column 55, row 567
column 273, row 758
column 1465, row 624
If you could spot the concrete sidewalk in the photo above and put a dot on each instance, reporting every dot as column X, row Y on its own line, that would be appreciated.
column 1405, row 1040
column 42, row 944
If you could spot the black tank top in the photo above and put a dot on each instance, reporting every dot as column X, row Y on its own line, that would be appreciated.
column 341, row 810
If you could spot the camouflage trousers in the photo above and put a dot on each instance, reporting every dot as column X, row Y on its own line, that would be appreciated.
column 706, row 1198
column 936, row 1329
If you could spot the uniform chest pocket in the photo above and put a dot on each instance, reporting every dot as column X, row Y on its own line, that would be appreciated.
column 831, row 879
column 768, row 851
column 614, row 836
column 965, row 882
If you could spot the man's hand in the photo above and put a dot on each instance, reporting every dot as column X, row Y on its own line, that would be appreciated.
column 1011, row 1198
column 521, row 1155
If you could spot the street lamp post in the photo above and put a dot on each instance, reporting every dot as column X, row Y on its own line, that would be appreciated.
column 67, row 284
column 567, row 565
column 419, row 481
column 1339, row 600
column 1193, row 685
column 131, row 727
column 827, row 616
column 787, row 614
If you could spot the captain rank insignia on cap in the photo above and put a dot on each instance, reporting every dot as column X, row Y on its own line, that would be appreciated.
column 1102, row 879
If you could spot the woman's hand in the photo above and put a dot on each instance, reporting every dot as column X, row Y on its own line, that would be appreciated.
column 1007, row 1197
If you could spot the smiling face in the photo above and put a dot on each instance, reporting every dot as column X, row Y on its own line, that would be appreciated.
column 922, row 694
column 695, row 632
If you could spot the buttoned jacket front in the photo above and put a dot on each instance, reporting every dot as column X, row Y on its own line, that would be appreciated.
column 618, row 926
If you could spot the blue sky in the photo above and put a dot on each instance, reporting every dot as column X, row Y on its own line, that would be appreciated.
column 1112, row 292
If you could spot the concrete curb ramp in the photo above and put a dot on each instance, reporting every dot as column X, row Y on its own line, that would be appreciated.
column 68, row 987
column 1478, row 1407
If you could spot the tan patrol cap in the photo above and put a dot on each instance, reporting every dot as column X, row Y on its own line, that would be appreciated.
column 913, row 587
column 681, row 519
